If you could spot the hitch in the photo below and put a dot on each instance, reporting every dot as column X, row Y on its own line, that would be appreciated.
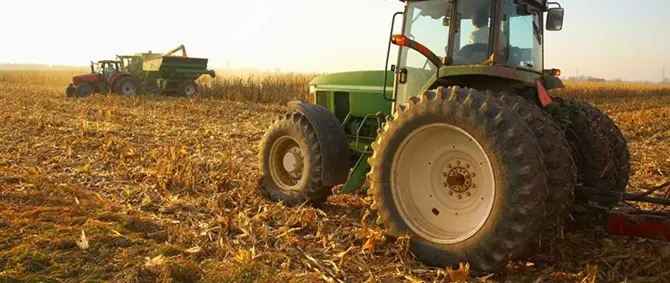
column 639, row 224
column 633, row 222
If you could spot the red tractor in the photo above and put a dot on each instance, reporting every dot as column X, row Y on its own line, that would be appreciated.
column 105, row 76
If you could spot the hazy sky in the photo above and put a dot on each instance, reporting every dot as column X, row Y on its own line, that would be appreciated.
column 600, row 37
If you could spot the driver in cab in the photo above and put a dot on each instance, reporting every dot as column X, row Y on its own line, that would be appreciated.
column 480, row 21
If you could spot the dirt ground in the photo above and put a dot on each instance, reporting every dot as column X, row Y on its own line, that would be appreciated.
column 161, row 189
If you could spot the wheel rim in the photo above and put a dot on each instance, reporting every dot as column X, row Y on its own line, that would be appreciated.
column 189, row 90
column 86, row 91
column 442, row 183
column 127, row 88
column 286, row 163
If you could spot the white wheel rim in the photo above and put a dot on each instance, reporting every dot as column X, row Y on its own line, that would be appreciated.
column 429, row 158
column 286, row 162
column 127, row 88
column 189, row 90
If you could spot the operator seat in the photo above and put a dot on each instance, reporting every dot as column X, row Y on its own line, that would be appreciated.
column 473, row 53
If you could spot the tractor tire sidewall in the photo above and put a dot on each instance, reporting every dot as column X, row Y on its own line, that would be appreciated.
column 80, row 90
column 600, row 148
column 560, row 164
column 118, row 85
column 516, row 158
column 311, row 189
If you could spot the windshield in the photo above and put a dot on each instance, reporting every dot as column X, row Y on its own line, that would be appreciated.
column 524, row 32
column 424, row 23
column 471, row 40
column 97, row 67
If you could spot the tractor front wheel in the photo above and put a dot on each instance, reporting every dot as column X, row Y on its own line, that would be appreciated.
column 290, row 157
column 463, row 174
column 84, row 90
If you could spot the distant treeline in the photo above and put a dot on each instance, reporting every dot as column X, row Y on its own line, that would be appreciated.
column 38, row 67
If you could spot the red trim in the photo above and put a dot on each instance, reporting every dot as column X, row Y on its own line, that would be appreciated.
column 542, row 93
column 641, row 225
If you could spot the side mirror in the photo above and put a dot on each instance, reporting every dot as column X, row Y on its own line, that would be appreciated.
column 555, row 19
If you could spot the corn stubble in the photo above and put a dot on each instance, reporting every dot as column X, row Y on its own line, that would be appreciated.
column 162, row 189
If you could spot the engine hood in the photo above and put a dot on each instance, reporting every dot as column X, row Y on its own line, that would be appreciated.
column 86, row 78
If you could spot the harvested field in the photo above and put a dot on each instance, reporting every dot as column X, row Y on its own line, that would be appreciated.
column 163, row 189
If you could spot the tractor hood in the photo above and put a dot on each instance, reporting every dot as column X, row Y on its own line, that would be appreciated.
column 352, row 81
column 86, row 78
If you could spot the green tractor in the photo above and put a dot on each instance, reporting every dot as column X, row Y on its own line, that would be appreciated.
column 459, row 144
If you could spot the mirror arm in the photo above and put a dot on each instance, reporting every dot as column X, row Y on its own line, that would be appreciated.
column 555, row 3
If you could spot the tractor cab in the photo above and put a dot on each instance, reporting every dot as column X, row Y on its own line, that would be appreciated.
column 485, row 43
column 106, row 68
column 130, row 63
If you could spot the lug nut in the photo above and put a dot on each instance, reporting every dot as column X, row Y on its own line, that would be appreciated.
column 473, row 174
column 448, row 165
column 467, row 193
column 445, row 184
column 451, row 193
column 458, row 163
column 444, row 174
column 459, row 197
column 467, row 165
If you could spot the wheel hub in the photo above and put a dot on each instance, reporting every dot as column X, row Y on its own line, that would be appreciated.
column 286, row 163
column 459, row 179
column 189, row 90
column 293, row 162
column 127, row 89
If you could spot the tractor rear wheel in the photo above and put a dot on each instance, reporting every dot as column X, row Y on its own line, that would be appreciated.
column 558, row 159
column 290, row 157
column 463, row 174
column 126, row 86
column 602, row 153
column 84, row 90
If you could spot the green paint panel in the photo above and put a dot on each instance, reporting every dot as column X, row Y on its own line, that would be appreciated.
column 357, row 178
column 355, row 78
column 369, row 102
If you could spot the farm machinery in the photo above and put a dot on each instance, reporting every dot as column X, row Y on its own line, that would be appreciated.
column 142, row 72
column 459, row 144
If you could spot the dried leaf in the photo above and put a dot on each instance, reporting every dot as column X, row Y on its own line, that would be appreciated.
column 459, row 275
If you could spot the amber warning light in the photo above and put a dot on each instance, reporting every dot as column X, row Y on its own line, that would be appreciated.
column 553, row 72
column 399, row 39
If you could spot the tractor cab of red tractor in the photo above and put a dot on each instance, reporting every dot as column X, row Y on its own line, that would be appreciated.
column 105, row 68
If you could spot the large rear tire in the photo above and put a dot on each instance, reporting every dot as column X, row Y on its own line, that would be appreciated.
column 561, row 167
column 290, row 158
column 126, row 86
column 602, row 153
column 463, row 175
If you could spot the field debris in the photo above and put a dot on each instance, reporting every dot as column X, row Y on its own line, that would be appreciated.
column 163, row 189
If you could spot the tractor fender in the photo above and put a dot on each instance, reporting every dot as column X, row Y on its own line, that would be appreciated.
column 332, row 140
column 551, row 82
column 117, row 76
